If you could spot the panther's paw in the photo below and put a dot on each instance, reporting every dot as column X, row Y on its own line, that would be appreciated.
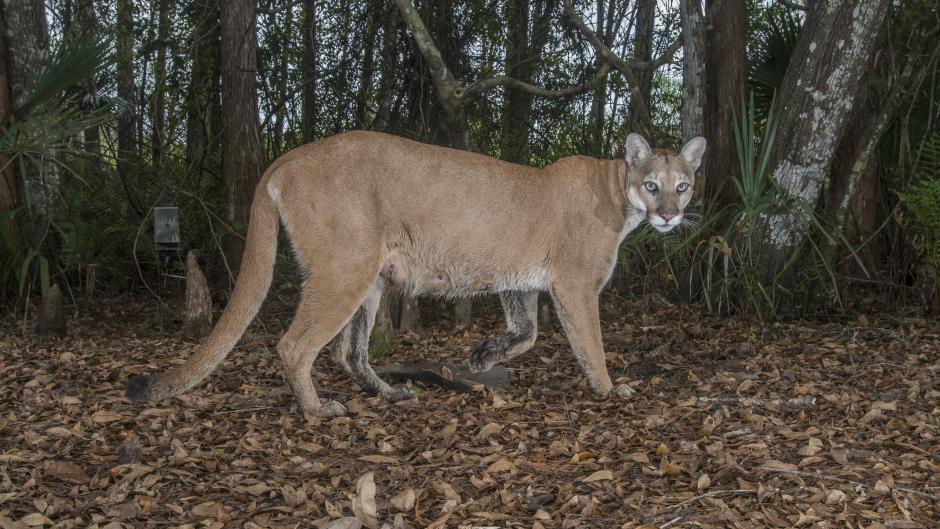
column 330, row 409
column 398, row 393
column 483, row 356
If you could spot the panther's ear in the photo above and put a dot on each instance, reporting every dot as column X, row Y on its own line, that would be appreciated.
column 693, row 151
column 637, row 149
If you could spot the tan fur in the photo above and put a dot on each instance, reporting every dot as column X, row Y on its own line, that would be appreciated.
column 363, row 208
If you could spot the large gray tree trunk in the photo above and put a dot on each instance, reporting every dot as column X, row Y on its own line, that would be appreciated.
column 815, row 104
column 242, row 159
column 26, row 37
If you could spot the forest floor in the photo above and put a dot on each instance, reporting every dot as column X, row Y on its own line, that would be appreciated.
column 734, row 424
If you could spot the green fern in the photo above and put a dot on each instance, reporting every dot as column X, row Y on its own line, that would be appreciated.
column 922, row 202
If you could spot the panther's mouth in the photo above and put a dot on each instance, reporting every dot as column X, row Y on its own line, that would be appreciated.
column 663, row 225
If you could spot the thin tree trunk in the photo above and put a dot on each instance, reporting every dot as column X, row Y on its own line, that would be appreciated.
column 311, row 72
column 725, row 78
column 88, row 22
column 127, row 119
column 8, row 194
column 389, row 65
column 368, row 70
column 159, row 74
column 817, row 95
column 643, row 51
column 693, row 70
column 204, row 44
column 517, row 102
column 242, row 159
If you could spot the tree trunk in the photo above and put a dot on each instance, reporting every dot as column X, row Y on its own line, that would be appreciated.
column 51, row 318
column 159, row 85
column 127, row 119
column 88, row 24
column 242, row 158
column 368, row 70
column 517, row 103
column 389, row 66
column 725, row 80
column 26, row 39
column 202, row 94
column 693, row 70
column 643, row 51
column 197, row 316
column 8, row 194
column 816, row 98
column 310, row 72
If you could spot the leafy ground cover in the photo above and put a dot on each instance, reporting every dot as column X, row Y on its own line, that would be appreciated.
column 734, row 424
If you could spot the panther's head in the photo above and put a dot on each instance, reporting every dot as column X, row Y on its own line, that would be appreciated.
column 660, row 183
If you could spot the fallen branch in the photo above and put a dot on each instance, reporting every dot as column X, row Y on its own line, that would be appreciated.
column 796, row 402
column 837, row 479
column 449, row 376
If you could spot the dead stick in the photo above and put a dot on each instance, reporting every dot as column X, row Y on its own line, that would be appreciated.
column 714, row 493
column 796, row 402
column 825, row 477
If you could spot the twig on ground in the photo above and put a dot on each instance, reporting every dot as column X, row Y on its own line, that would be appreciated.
column 255, row 408
column 825, row 477
column 670, row 522
column 712, row 494
column 796, row 402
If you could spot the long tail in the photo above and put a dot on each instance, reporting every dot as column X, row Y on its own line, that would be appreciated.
column 254, row 279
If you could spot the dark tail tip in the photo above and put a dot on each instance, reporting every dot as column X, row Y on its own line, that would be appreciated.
column 138, row 387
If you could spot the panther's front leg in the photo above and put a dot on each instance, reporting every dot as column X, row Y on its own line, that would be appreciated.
column 521, row 308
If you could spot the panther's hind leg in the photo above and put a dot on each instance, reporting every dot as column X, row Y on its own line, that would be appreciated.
column 521, row 309
column 351, row 349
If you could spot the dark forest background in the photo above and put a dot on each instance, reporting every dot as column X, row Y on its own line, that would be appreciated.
column 820, row 188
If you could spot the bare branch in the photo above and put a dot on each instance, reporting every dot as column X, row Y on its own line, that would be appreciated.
column 625, row 67
column 505, row 80
column 447, row 86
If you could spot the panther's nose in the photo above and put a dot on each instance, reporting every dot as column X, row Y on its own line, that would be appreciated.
column 667, row 216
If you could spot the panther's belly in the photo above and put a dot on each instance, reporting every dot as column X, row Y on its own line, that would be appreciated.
column 454, row 275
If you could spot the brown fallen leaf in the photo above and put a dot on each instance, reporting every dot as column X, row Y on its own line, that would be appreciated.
column 105, row 416
column 344, row 523
column 670, row 468
column 36, row 519
column 489, row 430
column 404, row 501
column 129, row 451
column 68, row 472
column 378, row 458
column 600, row 475
column 293, row 497
column 363, row 504
column 503, row 465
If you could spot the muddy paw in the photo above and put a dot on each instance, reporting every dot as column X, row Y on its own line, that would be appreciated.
column 398, row 393
column 482, row 358
column 330, row 409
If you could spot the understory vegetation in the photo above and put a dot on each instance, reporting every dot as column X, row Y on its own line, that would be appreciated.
column 125, row 113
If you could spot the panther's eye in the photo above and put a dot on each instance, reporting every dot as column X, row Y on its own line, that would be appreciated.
column 682, row 188
column 651, row 187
